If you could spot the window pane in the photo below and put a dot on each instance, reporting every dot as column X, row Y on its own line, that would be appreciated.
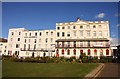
column 88, row 33
column 46, row 33
column 63, row 27
column 40, row 33
column 58, row 34
column 74, row 33
column 100, row 33
column 74, row 27
column 58, row 28
column 94, row 33
column 62, row 44
column 35, row 34
column 68, row 34
column 30, row 34
column 81, row 27
column 51, row 33
column 63, row 34
column 81, row 33
column 94, row 26
column 106, row 33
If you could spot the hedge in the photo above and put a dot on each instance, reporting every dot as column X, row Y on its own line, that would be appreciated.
column 84, row 59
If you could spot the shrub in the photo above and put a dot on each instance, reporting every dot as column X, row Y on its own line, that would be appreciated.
column 27, row 59
column 95, row 60
column 15, row 59
column 64, row 60
column 104, row 59
column 85, row 59
column 6, row 57
column 72, row 58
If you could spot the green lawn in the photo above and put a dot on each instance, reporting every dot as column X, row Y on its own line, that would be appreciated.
column 23, row 69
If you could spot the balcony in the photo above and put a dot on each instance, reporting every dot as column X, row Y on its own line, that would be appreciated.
column 98, row 45
column 87, row 39
column 83, row 46
column 37, row 49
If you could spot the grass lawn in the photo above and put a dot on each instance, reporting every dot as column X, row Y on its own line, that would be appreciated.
column 23, row 69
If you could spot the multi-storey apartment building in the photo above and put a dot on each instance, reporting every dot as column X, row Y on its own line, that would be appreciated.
column 3, row 46
column 25, row 43
column 91, row 38
column 68, row 39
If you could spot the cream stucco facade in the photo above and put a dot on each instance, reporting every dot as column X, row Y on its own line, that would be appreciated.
column 68, row 39
column 24, row 43
column 3, row 48
column 91, row 38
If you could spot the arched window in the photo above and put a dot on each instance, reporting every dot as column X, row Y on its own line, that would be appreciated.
column 101, row 52
column 95, row 52
column 57, row 53
column 81, row 51
column 62, row 51
column 107, row 52
column 68, row 52
column 88, row 51
column 74, row 51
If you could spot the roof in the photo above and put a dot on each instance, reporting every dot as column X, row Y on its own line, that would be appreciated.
column 3, row 40
column 86, row 21
column 92, row 39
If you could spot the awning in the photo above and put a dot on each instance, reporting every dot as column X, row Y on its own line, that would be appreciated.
column 81, row 51
column 95, row 50
column 107, row 51
column 74, row 50
column 88, row 50
column 62, row 50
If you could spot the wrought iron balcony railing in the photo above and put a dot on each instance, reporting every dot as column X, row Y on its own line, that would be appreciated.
column 37, row 49
column 80, row 46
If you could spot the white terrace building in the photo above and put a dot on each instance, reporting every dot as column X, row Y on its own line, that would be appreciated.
column 3, row 46
column 26, row 43
column 69, row 39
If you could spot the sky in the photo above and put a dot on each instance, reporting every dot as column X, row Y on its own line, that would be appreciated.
column 44, row 15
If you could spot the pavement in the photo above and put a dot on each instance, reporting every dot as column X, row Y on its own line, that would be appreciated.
column 111, row 70
column 105, row 71
column 95, row 72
